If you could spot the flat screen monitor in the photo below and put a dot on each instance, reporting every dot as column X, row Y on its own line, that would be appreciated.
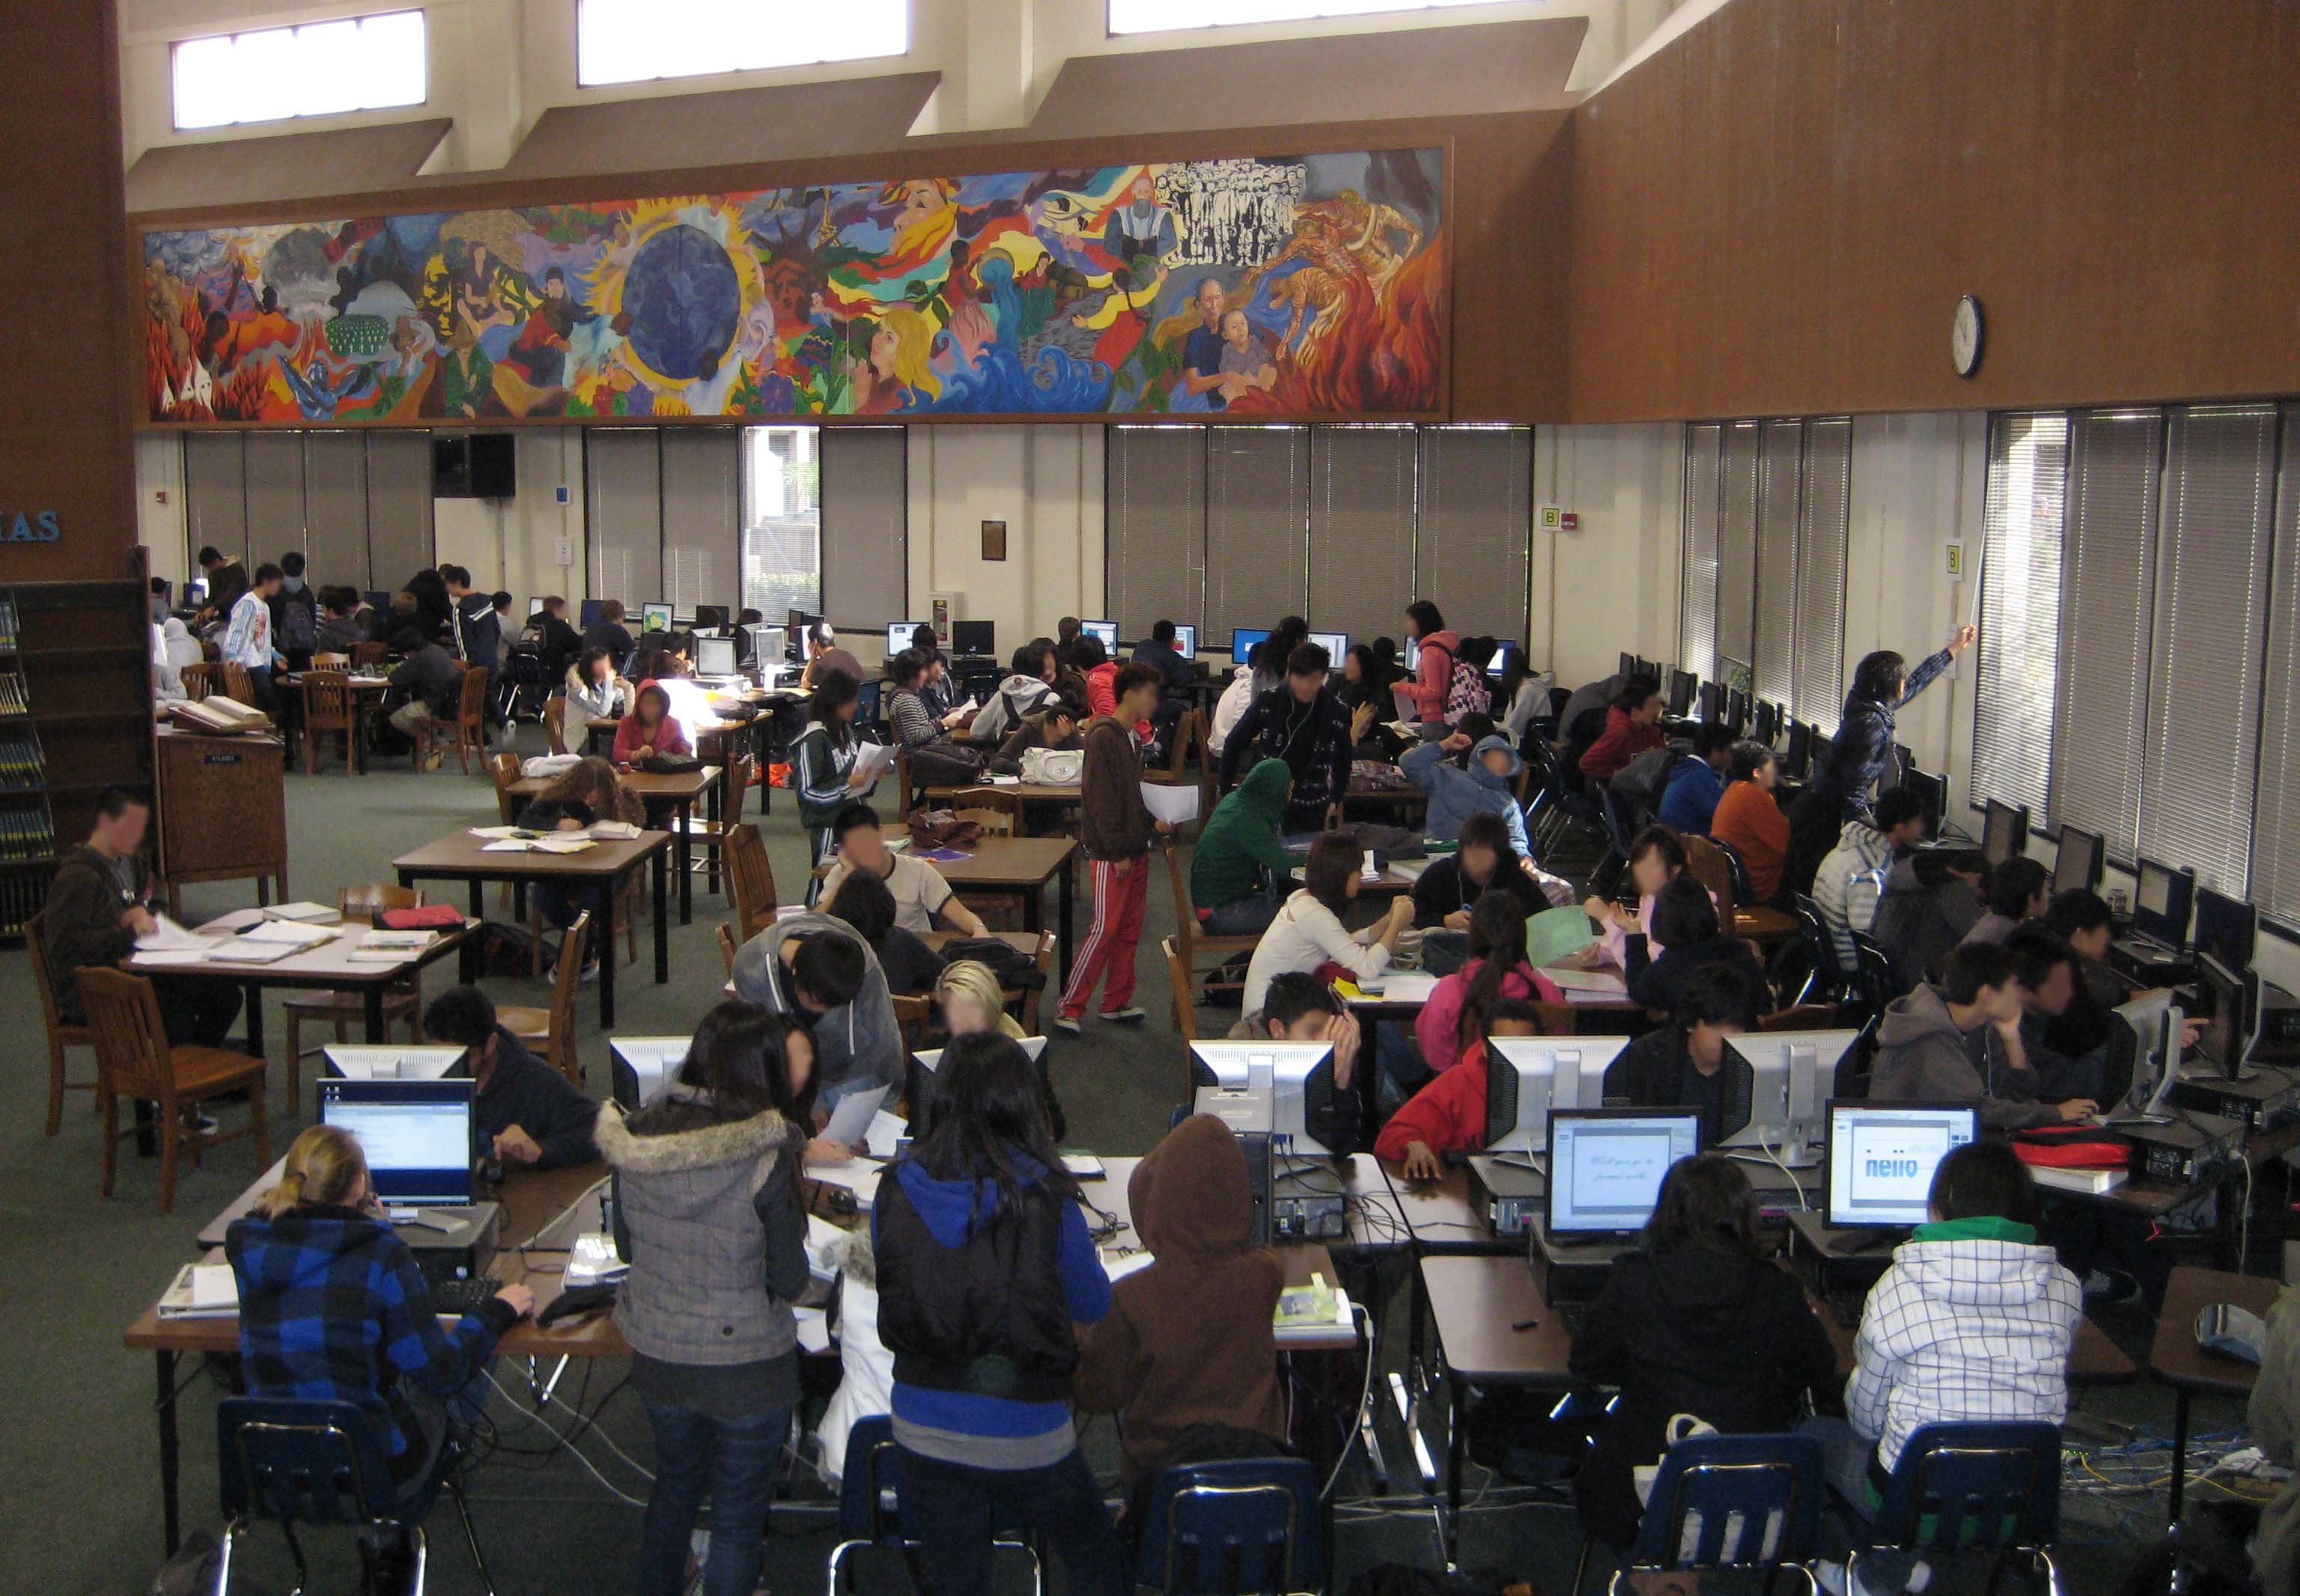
column 1736, row 708
column 357, row 1061
column 899, row 634
column 1295, row 1080
column 2076, row 867
column 1107, row 630
column 1337, row 645
column 2162, row 901
column 2134, row 1073
column 1796, row 760
column 799, row 635
column 1243, row 640
column 1768, row 729
column 1497, row 668
column 638, row 1067
column 415, row 1134
column 1606, row 1165
column 591, row 607
column 1645, row 667
column 1185, row 640
column 654, row 618
column 2225, row 927
column 1681, row 686
column 1881, row 1158
column 2226, row 1037
column 1932, row 791
column 1776, row 1085
column 2003, row 831
column 1527, row 1077
column 1629, row 664
column 973, row 636
column 714, row 656
column 1711, row 697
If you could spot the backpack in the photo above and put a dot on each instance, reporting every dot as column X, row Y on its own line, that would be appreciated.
column 1467, row 693
column 1015, row 969
column 299, row 624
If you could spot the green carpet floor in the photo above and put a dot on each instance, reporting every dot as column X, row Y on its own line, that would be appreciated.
column 78, row 1449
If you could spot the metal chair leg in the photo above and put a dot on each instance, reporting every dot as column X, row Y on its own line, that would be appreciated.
column 1580, row 1567
column 471, row 1536
column 295, row 1549
column 223, row 1557
column 422, row 1559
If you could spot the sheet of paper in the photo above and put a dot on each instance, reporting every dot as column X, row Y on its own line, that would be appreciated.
column 850, row 1121
column 242, row 950
column 813, row 1325
column 510, row 844
column 1118, row 1265
column 302, row 911
column 162, row 958
column 1557, row 934
column 874, row 759
column 562, row 841
column 495, row 833
column 616, row 830
column 1175, row 803
column 291, row 933
column 213, row 1285
column 886, row 1130
column 230, row 924
column 1588, row 980
column 167, row 933
column 1404, row 987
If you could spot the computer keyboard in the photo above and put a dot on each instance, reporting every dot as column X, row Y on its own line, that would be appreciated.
column 1845, row 1302
column 457, row 1298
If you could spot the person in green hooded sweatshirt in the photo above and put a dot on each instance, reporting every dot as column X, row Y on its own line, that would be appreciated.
column 1241, row 872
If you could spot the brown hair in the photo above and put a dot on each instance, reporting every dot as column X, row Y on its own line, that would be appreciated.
column 1335, row 857
column 586, row 781
column 324, row 1166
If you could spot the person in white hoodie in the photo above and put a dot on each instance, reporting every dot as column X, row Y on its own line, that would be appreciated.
column 1851, row 879
column 1973, row 1322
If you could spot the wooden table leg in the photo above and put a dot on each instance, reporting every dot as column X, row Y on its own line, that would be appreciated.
column 372, row 1000
column 661, row 918
column 686, row 861
column 608, row 957
column 171, row 1517
column 255, row 1021
column 2179, row 1453
column 1066, row 902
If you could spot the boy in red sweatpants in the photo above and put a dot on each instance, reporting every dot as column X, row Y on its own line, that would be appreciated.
column 1115, row 830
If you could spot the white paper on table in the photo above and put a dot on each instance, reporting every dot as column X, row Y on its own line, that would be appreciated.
column 1001, row 781
column 292, row 932
column 1118, row 1266
column 242, row 950
column 1175, row 803
column 1400, row 986
column 214, row 1285
column 1587, row 980
column 304, row 911
column 230, row 924
column 162, row 958
column 850, row 1121
column 886, row 1130
column 510, row 844
column 619, row 831
column 495, row 833
column 873, row 759
column 813, row 1329
column 166, row 934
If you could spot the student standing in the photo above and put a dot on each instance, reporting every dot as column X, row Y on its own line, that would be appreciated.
column 1851, row 880
column 1303, row 724
column 1307, row 933
column 818, row 968
column 295, row 613
column 1681, row 1065
column 1115, row 829
column 247, row 639
column 562, row 643
column 983, row 1267
column 1240, row 858
column 1462, row 1004
column 823, row 765
column 608, row 632
column 1433, row 674
column 1749, row 820
column 708, row 1190
column 523, row 1111
column 921, row 896
column 1928, row 1042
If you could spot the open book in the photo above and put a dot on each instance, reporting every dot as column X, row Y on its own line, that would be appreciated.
column 389, row 947
column 217, row 714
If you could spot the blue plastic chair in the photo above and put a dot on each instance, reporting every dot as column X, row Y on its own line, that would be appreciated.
column 870, row 1502
column 1742, row 1502
column 1972, row 1487
column 1246, row 1526
column 324, row 1463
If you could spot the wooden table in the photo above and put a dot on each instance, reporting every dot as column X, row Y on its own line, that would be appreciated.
column 325, row 967
column 2176, row 1358
column 679, row 792
column 366, row 696
column 459, row 856
column 530, row 1201
column 1020, row 867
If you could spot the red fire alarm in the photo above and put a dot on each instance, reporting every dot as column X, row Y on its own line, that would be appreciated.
column 1569, row 520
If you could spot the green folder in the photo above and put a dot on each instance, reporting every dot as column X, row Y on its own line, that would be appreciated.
column 1555, row 934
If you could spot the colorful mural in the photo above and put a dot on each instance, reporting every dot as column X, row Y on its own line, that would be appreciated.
column 1309, row 284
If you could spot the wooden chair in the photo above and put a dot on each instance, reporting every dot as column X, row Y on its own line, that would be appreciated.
column 331, row 661
column 236, row 686
column 401, row 1001
column 61, row 1033
column 554, row 716
column 134, row 1060
column 553, row 1028
column 1191, row 944
column 503, row 769
column 997, row 811
column 1178, row 972
column 364, row 654
column 1031, row 1000
column 200, row 680
column 914, row 1013
column 750, row 881
column 708, row 837
column 328, row 708
column 727, row 948
column 471, row 719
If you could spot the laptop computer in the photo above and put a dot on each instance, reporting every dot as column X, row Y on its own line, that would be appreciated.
column 416, row 1134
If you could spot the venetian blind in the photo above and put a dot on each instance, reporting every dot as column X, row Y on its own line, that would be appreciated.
column 215, row 494
column 701, row 516
column 1362, row 527
column 622, row 492
column 1697, row 645
column 1257, row 511
column 865, row 525
column 1817, row 660
column 335, row 509
column 398, row 507
column 1154, row 547
column 1781, row 464
column 1474, row 534
column 2276, row 826
column 2020, row 581
column 1737, row 548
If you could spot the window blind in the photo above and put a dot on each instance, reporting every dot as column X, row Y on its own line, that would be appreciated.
column 1780, row 465
column 335, row 509
column 1696, row 644
column 398, row 507
column 1257, row 509
column 622, row 494
column 1817, row 659
column 2021, row 579
column 1362, row 524
column 865, row 525
column 2212, row 601
column 1474, row 534
column 702, row 515
column 215, row 494
column 2276, row 827
column 275, row 495
column 1737, row 548
column 2107, row 551
column 1155, row 564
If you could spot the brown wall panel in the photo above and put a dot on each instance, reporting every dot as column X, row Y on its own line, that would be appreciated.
column 1777, row 213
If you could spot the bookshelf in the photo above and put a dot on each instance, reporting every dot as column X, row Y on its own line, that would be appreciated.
column 75, row 718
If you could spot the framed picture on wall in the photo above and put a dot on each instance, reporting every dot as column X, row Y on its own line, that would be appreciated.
column 993, row 540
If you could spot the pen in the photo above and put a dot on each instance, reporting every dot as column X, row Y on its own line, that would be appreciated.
column 1523, row 1325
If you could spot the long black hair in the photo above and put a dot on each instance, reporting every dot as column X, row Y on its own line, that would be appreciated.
column 1705, row 1201
column 988, row 1122
column 833, row 692
column 1879, row 677
column 1498, row 944
column 737, row 1057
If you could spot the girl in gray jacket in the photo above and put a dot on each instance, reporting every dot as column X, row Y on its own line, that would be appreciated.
column 707, row 1181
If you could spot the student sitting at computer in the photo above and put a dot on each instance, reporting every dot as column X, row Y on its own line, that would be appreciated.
column 921, row 896
column 1697, row 1319
column 1300, row 1007
column 608, row 632
column 1028, row 683
column 1303, row 724
column 1236, row 698
column 1932, row 899
column 1523, row 695
column 1485, row 784
column 708, row 1192
column 1631, row 728
column 1092, row 661
column 1461, row 1004
column 824, row 768
column 2050, row 986
column 916, row 722
column 1656, row 858
column 523, row 1111
column 2019, row 891
column 817, row 967
column 1681, row 1065
column 1971, row 1323
column 333, row 1306
column 1697, row 780
column 1484, row 861
column 1960, row 1041
column 1308, row 933
column 1054, row 723
column 650, row 731
column 1684, row 922
column 2080, row 919
column 985, row 1268
column 1239, row 860
column 863, row 901
column 1751, row 821
column 1851, row 879
column 594, row 691
column 1188, row 1345
column 1448, row 1114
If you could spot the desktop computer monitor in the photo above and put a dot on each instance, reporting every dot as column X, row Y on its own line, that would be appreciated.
column 1776, row 1082
column 1881, row 1158
column 1645, row 667
column 1736, row 710
column 1711, row 698
column 2226, row 1039
column 1606, row 1165
column 1682, row 686
column 638, row 1067
column 2003, row 831
column 1768, row 729
column 710, row 618
column 1629, row 664
column 355, row 1061
column 1796, row 760
column 1497, row 668
column 899, row 634
column 1932, row 791
column 976, row 637
column 1529, row 1077
column 2162, row 901
column 2075, row 867
column 591, row 607
column 1185, row 640
column 1281, row 1089
column 1107, row 630
column 714, row 656
column 416, row 1135
column 1243, row 640
column 2225, row 927
column 2134, row 1076
column 1337, row 645
column 654, row 618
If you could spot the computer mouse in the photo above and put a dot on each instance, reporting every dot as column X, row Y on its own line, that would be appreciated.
column 489, row 1170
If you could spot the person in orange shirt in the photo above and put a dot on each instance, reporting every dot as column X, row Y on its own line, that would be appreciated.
column 1752, row 820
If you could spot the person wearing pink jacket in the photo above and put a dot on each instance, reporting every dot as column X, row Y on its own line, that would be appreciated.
column 1462, row 1005
column 1433, row 674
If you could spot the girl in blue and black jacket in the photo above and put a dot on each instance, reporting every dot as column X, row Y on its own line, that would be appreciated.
column 985, row 1264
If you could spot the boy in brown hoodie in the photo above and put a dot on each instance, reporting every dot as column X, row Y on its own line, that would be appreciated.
column 1187, row 1340
column 1114, row 829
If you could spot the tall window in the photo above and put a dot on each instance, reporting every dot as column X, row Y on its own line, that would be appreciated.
column 632, row 41
column 2020, row 609
column 321, row 69
column 782, row 520
column 1168, row 16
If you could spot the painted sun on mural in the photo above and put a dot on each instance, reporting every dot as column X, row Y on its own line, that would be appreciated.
column 1298, row 285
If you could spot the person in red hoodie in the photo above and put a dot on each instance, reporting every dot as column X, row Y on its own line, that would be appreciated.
column 1433, row 674
column 1632, row 727
column 648, row 729
column 1496, row 968
column 1449, row 1115
column 1093, row 664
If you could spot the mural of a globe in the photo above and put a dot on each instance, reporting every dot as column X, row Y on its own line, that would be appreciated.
column 683, row 300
